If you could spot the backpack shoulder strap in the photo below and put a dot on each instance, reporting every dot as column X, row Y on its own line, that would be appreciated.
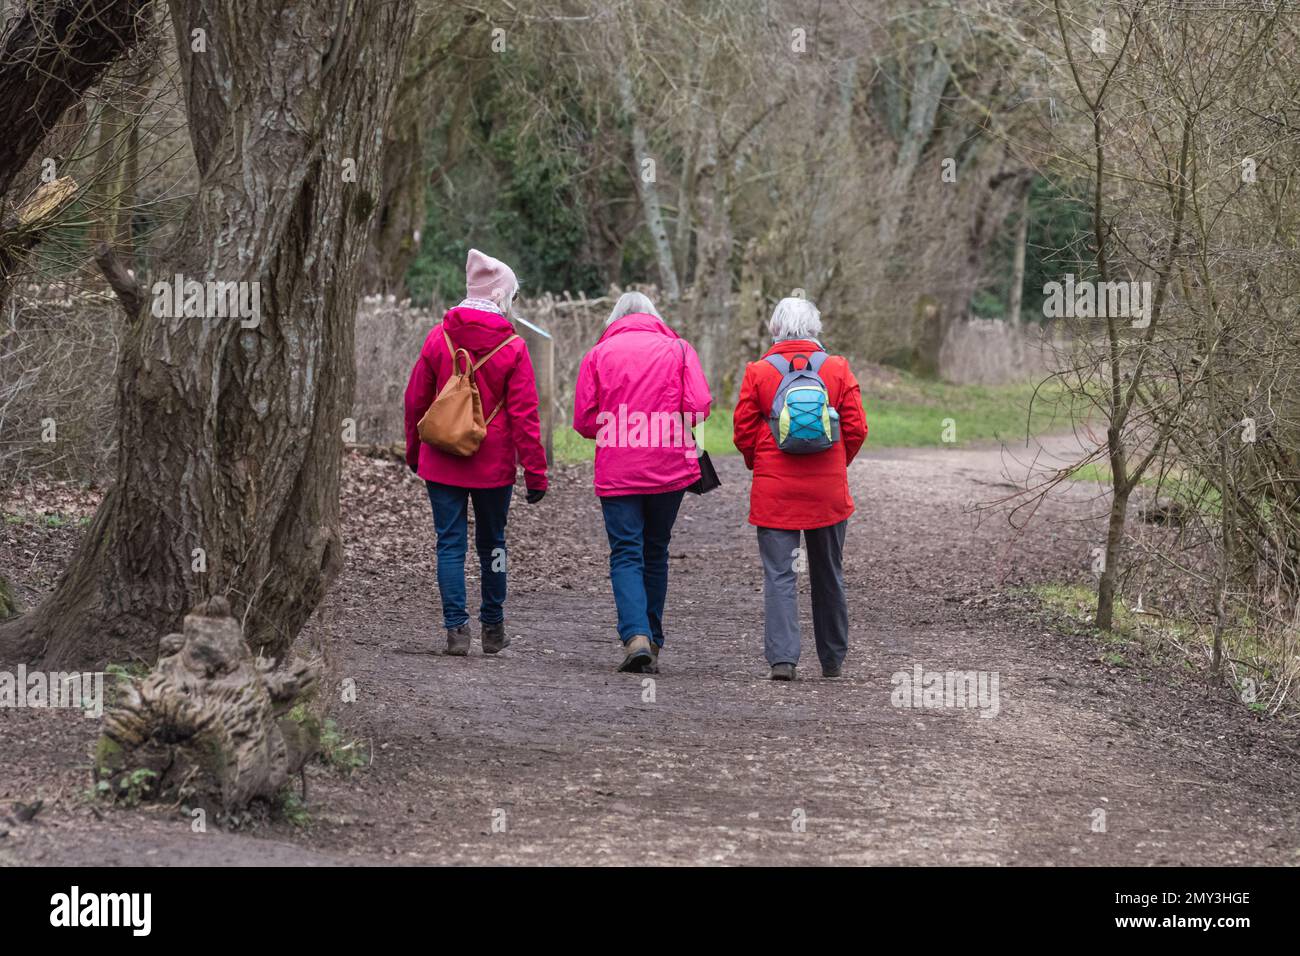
column 500, row 405
column 455, row 354
column 502, row 344
column 816, row 359
column 779, row 362
column 477, row 365
column 785, row 367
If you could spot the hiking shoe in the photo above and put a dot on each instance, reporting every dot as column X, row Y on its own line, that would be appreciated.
column 653, row 666
column 782, row 672
column 494, row 637
column 458, row 641
column 833, row 671
column 636, row 655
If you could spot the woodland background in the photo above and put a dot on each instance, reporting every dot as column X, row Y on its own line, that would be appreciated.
column 920, row 168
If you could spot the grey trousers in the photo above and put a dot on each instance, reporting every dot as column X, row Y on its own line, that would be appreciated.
column 783, row 562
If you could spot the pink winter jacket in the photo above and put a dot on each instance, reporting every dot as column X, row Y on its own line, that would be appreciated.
column 632, row 387
column 513, row 436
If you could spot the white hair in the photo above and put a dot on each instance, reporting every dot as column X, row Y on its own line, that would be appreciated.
column 795, row 318
column 629, row 303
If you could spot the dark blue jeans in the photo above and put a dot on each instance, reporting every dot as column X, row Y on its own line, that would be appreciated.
column 451, row 522
column 639, row 527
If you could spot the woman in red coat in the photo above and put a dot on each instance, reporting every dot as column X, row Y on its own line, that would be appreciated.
column 804, row 492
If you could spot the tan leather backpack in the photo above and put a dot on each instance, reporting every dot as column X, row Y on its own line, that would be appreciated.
column 454, row 422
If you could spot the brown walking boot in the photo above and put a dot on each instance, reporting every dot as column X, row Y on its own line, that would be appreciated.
column 636, row 655
column 458, row 641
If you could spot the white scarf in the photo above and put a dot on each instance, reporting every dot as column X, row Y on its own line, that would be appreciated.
column 483, row 305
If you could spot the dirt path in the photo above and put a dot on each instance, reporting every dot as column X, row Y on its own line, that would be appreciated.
column 581, row 767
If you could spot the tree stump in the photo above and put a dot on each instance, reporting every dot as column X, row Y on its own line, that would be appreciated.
column 209, row 720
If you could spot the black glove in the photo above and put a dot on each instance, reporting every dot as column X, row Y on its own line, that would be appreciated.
column 534, row 495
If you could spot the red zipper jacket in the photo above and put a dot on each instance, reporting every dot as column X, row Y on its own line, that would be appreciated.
column 798, row 492
column 514, row 436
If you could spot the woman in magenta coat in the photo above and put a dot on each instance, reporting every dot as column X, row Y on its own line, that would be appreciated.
column 481, row 326
column 640, row 390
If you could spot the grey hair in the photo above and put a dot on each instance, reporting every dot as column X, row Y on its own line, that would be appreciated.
column 630, row 302
column 795, row 318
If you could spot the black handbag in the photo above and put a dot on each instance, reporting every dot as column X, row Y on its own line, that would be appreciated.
column 708, row 479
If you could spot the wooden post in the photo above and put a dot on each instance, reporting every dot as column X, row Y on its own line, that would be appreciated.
column 541, row 348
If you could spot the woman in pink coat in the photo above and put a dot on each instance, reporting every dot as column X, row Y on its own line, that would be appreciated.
column 639, row 391
column 481, row 326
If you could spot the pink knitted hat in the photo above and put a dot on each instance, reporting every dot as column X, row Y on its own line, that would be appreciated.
column 488, row 278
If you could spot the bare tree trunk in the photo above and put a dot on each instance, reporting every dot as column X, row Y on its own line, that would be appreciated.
column 105, row 187
column 712, row 287
column 647, row 184
column 928, row 326
column 50, row 54
column 1106, row 587
column 394, row 236
column 1227, row 481
column 685, row 212
column 686, row 188
column 117, row 159
column 1018, row 264
column 394, row 241
column 929, row 79
column 229, row 443
column 751, row 320
column 1000, row 193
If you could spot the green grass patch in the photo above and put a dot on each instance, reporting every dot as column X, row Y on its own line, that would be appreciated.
column 714, row 435
column 1092, row 471
column 905, row 412
column 925, row 414
column 1079, row 602
column 1193, row 493
column 51, row 519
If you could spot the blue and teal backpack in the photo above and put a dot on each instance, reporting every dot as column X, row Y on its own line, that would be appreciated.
column 802, row 418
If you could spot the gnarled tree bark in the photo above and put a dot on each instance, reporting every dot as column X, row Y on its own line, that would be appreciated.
column 230, row 437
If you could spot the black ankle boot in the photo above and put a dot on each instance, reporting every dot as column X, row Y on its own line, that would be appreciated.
column 495, row 638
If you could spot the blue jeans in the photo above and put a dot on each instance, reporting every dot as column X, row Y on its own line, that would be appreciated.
column 451, row 522
column 639, row 527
